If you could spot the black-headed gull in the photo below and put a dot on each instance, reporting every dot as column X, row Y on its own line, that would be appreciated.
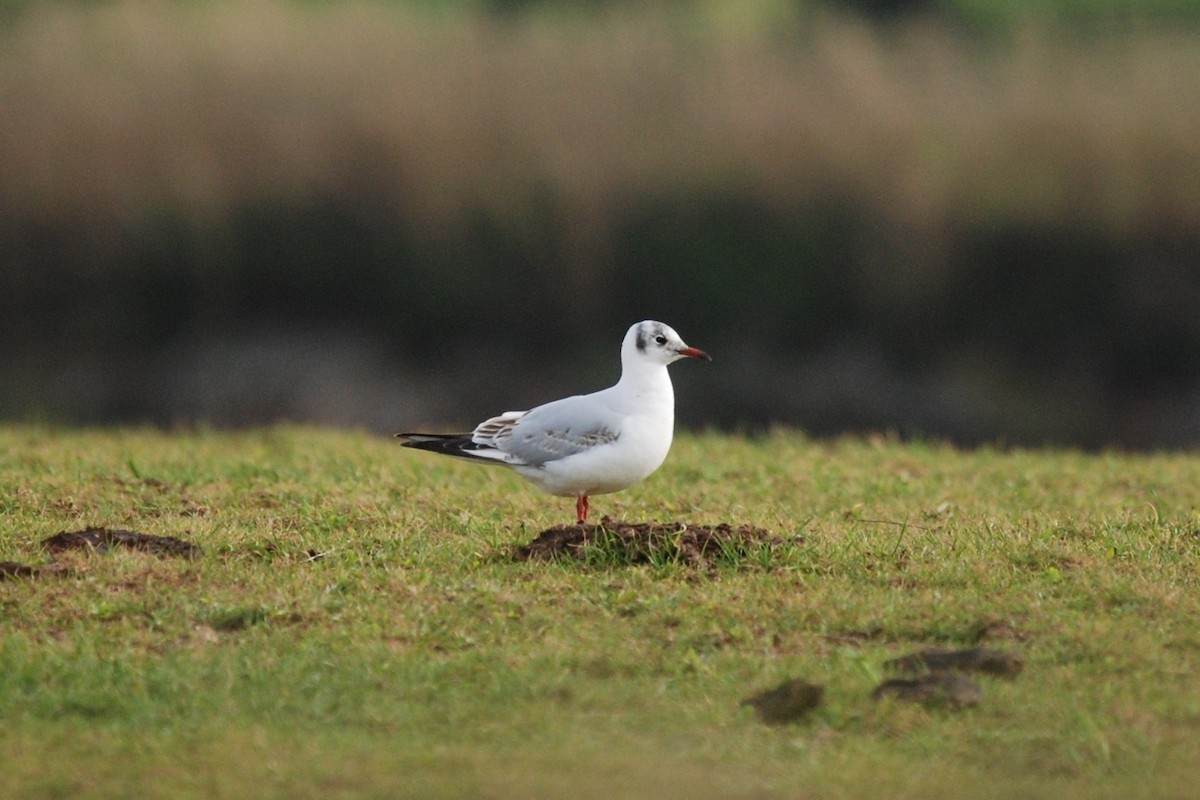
column 590, row 443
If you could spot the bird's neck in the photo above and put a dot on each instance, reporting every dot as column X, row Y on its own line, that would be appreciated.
column 648, row 384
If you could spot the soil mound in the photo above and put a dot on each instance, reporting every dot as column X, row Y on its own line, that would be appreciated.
column 102, row 540
column 12, row 569
column 972, row 659
column 647, row 542
column 788, row 702
column 945, row 689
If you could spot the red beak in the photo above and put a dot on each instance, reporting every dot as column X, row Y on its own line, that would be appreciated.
column 695, row 352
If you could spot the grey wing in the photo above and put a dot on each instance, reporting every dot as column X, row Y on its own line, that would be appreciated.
column 560, row 429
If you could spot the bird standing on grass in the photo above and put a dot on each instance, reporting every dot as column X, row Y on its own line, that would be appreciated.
column 590, row 443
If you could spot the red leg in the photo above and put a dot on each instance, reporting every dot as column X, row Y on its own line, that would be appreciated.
column 581, row 509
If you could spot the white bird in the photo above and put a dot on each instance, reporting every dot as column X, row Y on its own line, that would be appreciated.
column 590, row 443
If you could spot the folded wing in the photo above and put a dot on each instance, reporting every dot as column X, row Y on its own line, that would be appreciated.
column 526, row 438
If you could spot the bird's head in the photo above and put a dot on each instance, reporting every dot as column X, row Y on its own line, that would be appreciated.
column 658, row 343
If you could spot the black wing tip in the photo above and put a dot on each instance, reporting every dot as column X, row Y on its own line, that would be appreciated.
column 459, row 445
column 437, row 442
column 431, row 437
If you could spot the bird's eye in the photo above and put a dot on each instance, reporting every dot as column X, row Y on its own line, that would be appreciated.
column 660, row 339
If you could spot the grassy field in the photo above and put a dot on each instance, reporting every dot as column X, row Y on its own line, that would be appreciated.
column 355, row 626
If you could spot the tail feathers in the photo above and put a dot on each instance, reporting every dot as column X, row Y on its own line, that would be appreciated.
column 459, row 445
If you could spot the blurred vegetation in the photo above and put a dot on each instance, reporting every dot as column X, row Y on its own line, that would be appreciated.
column 1077, row 14
column 995, row 203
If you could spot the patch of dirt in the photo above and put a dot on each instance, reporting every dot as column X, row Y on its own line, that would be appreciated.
column 11, row 569
column 101, row 540
column 647, row 542
column 972, row 659
column 787, row 702
column 940, row 689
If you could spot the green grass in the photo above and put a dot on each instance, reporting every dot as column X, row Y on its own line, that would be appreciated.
column 354, row 628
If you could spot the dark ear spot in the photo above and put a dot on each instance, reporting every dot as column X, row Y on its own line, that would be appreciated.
column 641, row 340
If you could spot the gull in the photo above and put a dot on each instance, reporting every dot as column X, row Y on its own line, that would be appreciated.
column 586, row 444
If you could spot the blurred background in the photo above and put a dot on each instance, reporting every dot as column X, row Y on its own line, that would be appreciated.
column 974, row 220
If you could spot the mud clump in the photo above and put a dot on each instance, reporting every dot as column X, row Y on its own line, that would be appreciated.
column 790, row 701
column 941, row 678
column 936, row 689
column 101, row 540
column 11, row 569
column 647, row 542
column 97, row 540
column 972, row 659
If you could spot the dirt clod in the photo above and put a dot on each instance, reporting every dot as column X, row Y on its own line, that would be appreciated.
column 645, row 542
column 942, row 689
column 14, row 569
column 102, row 540
column 11, row 569
column 972, row 659
column 787, row 702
